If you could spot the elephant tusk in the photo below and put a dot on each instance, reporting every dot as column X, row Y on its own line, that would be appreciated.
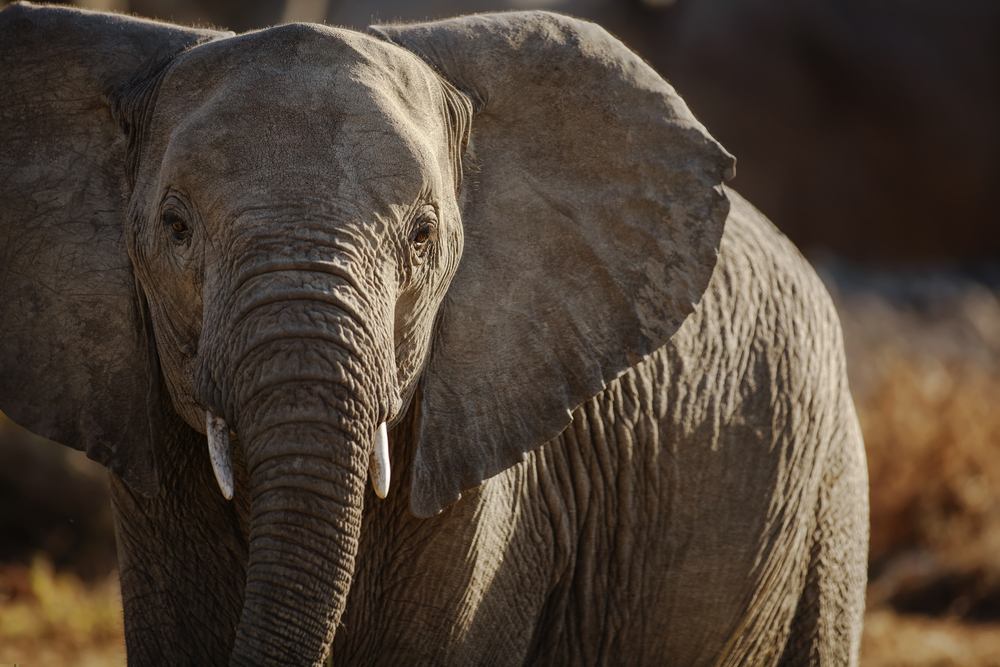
column 378, row 464
column 218, row 451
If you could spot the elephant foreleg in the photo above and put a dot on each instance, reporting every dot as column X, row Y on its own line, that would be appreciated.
column 826, row 628
column 182, row 557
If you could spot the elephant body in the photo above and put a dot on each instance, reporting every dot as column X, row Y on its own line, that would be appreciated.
column 693, row 511
column 488, row 364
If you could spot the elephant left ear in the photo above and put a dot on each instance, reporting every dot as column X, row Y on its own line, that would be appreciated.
column 76, row 362
column 592, row 219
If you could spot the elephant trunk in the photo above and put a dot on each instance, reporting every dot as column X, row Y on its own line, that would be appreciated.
column 308, row 385
column 304, row 528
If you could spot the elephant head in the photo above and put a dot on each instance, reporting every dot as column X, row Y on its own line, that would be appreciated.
column 304, row 232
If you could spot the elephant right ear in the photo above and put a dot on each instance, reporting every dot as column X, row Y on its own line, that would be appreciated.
column 75, row 364
column 593, row 214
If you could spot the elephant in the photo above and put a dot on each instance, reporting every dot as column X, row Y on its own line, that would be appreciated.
column 440, row 343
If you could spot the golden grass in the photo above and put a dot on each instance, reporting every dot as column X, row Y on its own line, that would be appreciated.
column 932, row 434
column 894, row 640
column 49, row 618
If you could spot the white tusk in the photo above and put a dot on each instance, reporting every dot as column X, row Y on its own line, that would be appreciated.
column 218, row 451
column 378, row 464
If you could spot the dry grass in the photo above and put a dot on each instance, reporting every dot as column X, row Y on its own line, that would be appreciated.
column 932, row 432
column 54, row 619
column 933, row 438
column 894, row 640
column 924, row 363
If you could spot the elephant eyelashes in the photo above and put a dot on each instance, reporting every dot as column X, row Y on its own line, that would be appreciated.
column 177, row 227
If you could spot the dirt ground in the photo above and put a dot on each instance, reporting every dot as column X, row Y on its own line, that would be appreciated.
column 924, row 363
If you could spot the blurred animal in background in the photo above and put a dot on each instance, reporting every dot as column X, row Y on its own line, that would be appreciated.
column 489, row 264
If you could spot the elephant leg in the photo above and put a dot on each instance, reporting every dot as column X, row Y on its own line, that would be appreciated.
column 182, row 557
column 826, row 628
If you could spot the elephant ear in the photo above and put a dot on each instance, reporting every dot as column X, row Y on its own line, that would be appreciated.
column 593, row 213
column 75, row 364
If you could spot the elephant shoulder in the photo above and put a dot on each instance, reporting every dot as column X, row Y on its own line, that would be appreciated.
column 764, row 347
column 762, row 263
column 765, row 291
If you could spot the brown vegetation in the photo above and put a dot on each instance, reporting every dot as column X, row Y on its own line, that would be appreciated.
column 55, row 619
column 932, row 432
column 924, row 362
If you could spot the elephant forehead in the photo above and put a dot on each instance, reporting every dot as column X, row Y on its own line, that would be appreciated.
column 310, row 62
column 301, row 98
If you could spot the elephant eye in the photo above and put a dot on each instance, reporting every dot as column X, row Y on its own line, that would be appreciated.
column 422, row 236
column 177, row 227
column 424, row 232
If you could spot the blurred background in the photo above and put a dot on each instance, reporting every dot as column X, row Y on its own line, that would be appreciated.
column 869, row 132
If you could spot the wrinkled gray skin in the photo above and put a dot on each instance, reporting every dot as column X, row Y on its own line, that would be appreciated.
column 621, row 431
